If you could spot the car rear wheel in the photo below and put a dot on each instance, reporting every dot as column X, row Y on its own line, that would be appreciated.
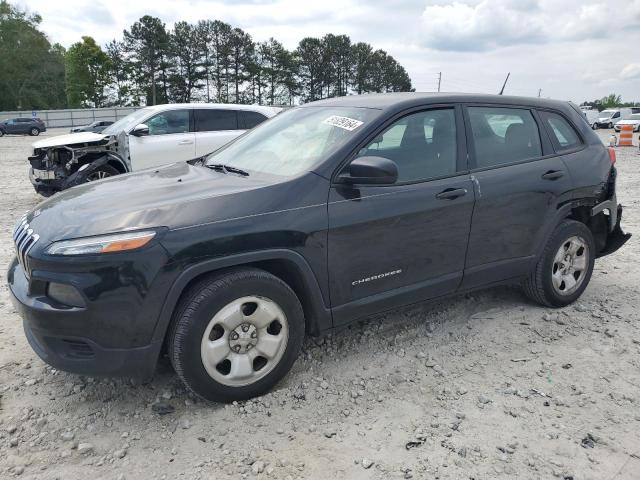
column 1, row 133
column 34, row 132
column 610, row 125
column 235, row 335
column 564, row 269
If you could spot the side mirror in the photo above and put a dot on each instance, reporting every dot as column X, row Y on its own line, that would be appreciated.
column 370, row 171
column 140, row 130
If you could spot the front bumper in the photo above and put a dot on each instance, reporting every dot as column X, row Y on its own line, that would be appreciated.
column 65, row 337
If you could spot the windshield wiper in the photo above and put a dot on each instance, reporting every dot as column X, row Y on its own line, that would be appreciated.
column 220, row 167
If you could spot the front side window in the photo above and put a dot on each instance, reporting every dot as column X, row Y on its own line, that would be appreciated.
column 563, row 135
column 503, row 135
column 173, row 121
column 294, row 141
column 213, row 120
column 423, row 145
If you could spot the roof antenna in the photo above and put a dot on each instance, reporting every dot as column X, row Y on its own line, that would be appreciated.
column 505, row 83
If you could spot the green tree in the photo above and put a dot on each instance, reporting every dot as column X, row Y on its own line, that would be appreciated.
column 611, row 101
column 87, row 74
column 31, row 69
column 147, row 43
column 120, row 73
column 310, row 68
column 186, row 59
column 241, row 55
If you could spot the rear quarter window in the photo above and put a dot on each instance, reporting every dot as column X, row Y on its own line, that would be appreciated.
column 248, row 119
column 563, row 135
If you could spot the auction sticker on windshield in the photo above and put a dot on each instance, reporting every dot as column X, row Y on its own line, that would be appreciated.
column 345, row 123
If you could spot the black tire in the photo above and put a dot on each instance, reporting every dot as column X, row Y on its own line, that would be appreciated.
column 610, row 125
column 34, row 131
column 539, row 286
column 199, row 305
column 1, row 133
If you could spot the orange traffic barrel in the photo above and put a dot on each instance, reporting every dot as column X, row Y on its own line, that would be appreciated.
column 626, row 136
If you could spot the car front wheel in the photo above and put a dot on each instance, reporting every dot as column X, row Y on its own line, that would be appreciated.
column 235, row 335
column 564, row 269
column 34, row 132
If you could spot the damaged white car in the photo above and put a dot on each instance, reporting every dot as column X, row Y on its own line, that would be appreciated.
column 146, row 138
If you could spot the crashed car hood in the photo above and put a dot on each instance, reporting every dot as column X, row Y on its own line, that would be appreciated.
column 69, row 139
column 628, row 122
column 173, row 196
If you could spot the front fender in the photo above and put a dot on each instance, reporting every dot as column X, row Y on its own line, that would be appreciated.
column 319, row 314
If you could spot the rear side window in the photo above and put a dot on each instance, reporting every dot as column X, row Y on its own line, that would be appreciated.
column 563, row 135
column 503, row 135
column 212, row 120
column 247, row 120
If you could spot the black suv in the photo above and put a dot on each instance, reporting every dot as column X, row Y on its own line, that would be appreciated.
column 32, row 126
column 322, row 215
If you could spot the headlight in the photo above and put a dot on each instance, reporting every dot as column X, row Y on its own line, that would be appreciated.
column 119, row 242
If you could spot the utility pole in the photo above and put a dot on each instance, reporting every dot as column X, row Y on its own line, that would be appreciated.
column 439, row 80
column 505, row 83
column 539, row 92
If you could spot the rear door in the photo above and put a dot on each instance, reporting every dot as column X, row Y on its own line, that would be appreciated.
column 170, row 139
column 404, row 242
column 519, row 184
column 214, row 128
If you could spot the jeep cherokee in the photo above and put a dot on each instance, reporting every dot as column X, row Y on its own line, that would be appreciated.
column 325, row 214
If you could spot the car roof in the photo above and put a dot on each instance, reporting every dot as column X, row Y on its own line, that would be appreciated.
column 385, row 101
column 267, row 110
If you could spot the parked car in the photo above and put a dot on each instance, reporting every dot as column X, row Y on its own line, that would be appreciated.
column 147, row 138
column 592, row 117
column 634, row 120
column 610, row 117
column 326, row 214
column 96, row 127
column 21, row 126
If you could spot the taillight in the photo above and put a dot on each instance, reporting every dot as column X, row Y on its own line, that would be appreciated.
column 612, row 155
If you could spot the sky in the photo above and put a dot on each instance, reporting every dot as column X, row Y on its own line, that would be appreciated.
column 567, row 49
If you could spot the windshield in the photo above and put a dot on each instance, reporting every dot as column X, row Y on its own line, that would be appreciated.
column 294, row 141
column 126, row 123
column 635, row 116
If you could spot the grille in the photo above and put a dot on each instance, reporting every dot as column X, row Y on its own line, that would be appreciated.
column 24, row 239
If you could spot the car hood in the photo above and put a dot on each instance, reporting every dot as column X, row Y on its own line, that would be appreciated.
column 628, row 122
column 69, row 139
column 173, row 196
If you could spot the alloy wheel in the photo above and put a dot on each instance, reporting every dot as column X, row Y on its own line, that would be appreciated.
column 97, row 175
column 244, row 341
column 570, row 265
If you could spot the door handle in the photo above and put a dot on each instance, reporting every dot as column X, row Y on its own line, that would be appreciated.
column 553, row 175
column 185, row 142
column 451, row 193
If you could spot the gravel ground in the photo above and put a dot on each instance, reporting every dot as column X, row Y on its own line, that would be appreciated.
column 480, row 386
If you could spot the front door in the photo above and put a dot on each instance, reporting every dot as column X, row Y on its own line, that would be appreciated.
column 518, row 189
column 170, row 140
column 396, row 244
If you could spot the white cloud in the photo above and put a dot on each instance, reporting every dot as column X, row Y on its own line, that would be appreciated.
column 571, row 49
column 479, row 25
column 630, row 71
